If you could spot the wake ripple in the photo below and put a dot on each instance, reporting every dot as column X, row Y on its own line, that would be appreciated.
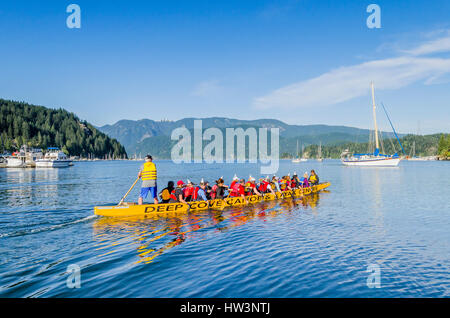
column 49, row 228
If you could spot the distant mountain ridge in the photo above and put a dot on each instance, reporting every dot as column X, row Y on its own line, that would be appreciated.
column 136, row 129
column 149, row 136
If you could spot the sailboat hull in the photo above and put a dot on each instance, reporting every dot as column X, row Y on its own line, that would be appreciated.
column 299, row 160
column 372, row 162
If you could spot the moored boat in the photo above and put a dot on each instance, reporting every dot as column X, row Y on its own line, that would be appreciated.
column 428, row 158
column 375, row 159
column 16, row 161
column 302, row 159
column 132, row 209
column 54, row 158
column 320, row 159
column 25, row 157
column 3, row 161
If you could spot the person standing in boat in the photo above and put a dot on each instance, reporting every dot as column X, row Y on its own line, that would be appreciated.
column 148, row 175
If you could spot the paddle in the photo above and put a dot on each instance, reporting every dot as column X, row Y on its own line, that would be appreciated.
column 123, row 198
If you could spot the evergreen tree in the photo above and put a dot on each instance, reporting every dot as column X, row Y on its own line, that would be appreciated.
column 42, row 127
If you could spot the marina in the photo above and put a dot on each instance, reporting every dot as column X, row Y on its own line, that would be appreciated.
column 28, row 157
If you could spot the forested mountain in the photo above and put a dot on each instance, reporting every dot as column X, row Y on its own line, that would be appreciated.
column 149, row 136
column 38, row 126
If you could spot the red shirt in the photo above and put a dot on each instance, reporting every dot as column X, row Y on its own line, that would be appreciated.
column 237, row 189
column 188, row 191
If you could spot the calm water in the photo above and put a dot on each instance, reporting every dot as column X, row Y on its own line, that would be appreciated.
column 397, row 218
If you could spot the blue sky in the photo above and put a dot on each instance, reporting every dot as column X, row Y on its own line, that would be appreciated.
column 303, row 62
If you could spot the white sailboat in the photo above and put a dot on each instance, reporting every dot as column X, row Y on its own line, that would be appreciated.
column 319, row 157
column 298, row 160
column 413, row 157
column 375, row 158
column 303, row 159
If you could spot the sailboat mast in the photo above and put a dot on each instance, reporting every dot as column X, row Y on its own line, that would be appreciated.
column 375, row 118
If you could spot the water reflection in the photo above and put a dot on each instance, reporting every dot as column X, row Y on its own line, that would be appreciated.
column 150, row 236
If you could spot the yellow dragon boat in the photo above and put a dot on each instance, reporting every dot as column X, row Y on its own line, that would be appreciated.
column 164, row 209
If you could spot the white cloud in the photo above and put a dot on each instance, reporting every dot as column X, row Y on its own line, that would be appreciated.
column 349, row 82
column 435, row 46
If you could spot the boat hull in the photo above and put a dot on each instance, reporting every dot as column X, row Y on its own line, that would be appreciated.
column 217, row 204
column 432, row 158
column 15, row 163
column 378, row 162
column 52, row 163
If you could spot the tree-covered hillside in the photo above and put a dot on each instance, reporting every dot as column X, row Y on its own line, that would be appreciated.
column 413, row 145
column 38, row 126
column 444, row 147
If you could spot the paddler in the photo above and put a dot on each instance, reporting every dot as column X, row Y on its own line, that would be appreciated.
column 265, row 187
column 189, row 191
column 288, row 181
column 235, row 187
column 208, row 190
column 238, row 189
column 295, row 182
column 218, row 190
column 305, row 182
column 274, row 184
column 201, row 192
column 234, row 182
column 177, row 194
column 250, row 187
column 165, row 193
column 148, row 175
column 313, row 178
column 283, row 186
